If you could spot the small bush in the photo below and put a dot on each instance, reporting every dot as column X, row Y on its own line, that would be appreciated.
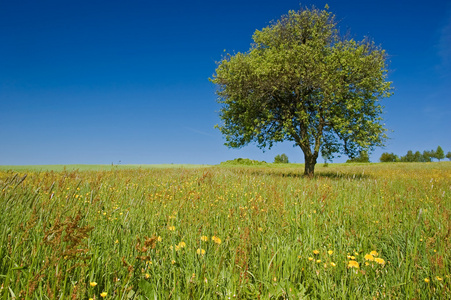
column 281, row 159
column 243, row 161
column 362, row 158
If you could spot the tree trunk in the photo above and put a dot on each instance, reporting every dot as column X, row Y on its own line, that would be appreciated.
column 310, row 162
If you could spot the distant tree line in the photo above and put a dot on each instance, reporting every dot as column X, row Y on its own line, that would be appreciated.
column 426, row 156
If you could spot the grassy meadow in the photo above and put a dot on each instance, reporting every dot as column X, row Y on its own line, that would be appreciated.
column 354, row 231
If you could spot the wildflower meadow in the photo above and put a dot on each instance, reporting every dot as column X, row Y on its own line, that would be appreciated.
column 354, row 231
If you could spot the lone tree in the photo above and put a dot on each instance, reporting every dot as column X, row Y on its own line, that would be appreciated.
column 303, row 82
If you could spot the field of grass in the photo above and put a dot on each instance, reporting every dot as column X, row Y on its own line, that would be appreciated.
column 81, row 167
column 367, row 231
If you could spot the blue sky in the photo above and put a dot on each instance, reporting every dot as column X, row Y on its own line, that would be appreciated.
column 96, row 82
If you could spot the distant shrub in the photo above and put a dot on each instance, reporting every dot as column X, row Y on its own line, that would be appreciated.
column 388, row 157
column 243, row 161
column 281, row 159
column 362, row 158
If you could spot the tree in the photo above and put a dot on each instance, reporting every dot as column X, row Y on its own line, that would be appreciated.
column 439, row 153
column 427, row 155
column 448, row 155
column 362, row 158
column 388, row 157
column 303, row 82
column 417, row 156
column 409, row 157
column 281, row 159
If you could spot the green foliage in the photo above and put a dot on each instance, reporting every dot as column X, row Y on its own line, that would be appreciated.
column 301, row 81
column 362, row 158
column 243, row 162
column 448, row 155
column 281, row 159
column 439, row 154
column 409, row 157
column 417, row 156
column 427, row 155
column 389, row 157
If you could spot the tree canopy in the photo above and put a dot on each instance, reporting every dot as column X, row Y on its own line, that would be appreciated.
column 301, row 81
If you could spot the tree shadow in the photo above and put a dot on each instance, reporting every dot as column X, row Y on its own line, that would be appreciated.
column 318, row 175
column 341, row 175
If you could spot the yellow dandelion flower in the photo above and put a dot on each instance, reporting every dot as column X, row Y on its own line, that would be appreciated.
column 93, row 284
column 200, row 251
column 182, row 245
column 171, row 228
column 318, row 261
column 333, row 264
column 426, row 280
column 330, row 252
column 369, row 257
column 310, row 258
column 367, row 263
column 204, row 238
column 353, row 264
column 438, row 278
column 173, row 262
column 216, row 240
column 103, row 294
column 147, row 275
column 380, row 261
column 117, row 242
column 159, row 238
column 316, row 252
column 374, row 253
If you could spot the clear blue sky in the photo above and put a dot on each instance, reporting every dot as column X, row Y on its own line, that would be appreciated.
column 95, row 82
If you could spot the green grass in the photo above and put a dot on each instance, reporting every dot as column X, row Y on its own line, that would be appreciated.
column 266, row 232
column 82, row 167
